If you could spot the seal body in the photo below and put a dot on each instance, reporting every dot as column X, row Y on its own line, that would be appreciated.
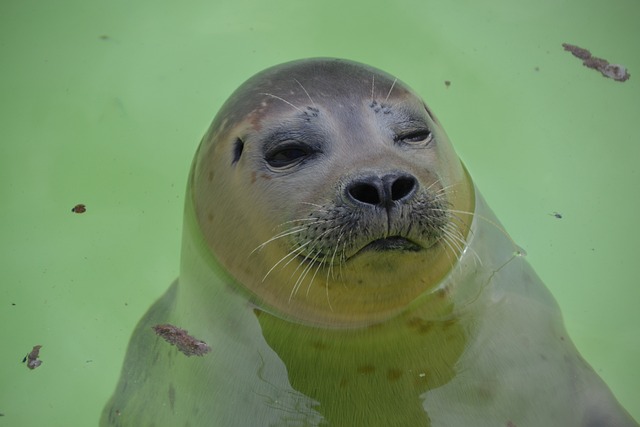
column 344, row 270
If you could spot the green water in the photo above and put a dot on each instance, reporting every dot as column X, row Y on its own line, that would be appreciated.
column 103, row 103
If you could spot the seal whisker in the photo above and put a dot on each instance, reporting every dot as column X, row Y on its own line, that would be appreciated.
column 281, row 99
column 454, row 233
column 291, row 254
column 436, row 182
column 330, row 271
column 333, row 257
column 309, row 259
column 305, row 91
column 454, row 246
column 449, row 250
column 322, row 208
column 290, row 231
column 343, row 259
column 295, row 285
column 450, row 215
column 517, row 248
column 280, row 235
column 303, row 275
column 296, row 220
column 391, row 89
column 373, row 86
column 318, row 266
column 458, row 241
column 451, row 238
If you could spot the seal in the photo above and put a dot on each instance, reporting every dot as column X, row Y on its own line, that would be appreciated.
column 344, row 270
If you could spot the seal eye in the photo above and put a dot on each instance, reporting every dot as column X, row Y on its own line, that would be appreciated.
column 419, row 137
column 287, row 155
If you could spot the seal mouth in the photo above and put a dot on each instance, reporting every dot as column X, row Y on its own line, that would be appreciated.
column 393, row 243
column 386, row 244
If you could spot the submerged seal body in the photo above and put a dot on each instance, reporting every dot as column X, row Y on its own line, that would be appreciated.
column 344, row 270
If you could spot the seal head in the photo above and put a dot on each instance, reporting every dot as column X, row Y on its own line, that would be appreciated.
column 339, row 188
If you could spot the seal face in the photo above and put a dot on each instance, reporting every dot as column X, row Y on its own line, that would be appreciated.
column 333, row 178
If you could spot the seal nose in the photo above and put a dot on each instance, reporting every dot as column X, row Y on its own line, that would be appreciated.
column 383, row 190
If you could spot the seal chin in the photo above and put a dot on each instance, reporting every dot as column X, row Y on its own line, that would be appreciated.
column 392, row 243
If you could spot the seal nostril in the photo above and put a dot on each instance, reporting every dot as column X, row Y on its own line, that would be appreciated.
column 365, row 193
column 402, row 187
column 383, row 190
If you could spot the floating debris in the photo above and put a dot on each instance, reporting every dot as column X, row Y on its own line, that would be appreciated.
column 187, row 344
column 32, row 358
column 447, row 83
column 79, row 208
column 557, row 215
column 616, row 72
column 578, row 52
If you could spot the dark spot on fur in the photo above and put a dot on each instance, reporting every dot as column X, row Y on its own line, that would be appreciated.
column 394, row 374
column 366, row 369
column 311, row 112
column 318, row 345
column 420, row 325
column 238, row 146
column 376, row 107
column 448, row 323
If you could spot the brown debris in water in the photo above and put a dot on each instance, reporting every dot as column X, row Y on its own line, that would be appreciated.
column 187, row 344
column 79, row 208
column 616, row 72
column 32, row 358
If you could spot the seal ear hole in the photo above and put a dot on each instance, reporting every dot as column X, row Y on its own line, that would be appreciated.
column 238, row 146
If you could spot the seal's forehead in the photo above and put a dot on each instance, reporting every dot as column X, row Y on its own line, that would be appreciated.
column 309, row 82
column 324, row 77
